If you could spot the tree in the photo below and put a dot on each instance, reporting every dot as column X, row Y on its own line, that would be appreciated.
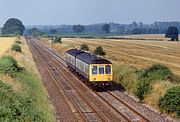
column 84, row 47
column 53, row 31
column 78, row 28
column 35, row 32
column 99, row 51
column 57, row 40
column 172, row 33
column 106, row 28
column 13, row 26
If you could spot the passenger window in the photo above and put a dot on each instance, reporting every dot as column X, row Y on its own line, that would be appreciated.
column 101, row 69
column 94, row 69
column 108, row 69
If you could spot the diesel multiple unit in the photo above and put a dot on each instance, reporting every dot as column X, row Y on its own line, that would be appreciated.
column 96, row 70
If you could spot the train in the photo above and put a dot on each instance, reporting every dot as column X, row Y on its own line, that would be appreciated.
column 93, row 69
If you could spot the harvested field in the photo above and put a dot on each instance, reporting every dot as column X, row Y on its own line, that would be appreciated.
column 5, row 44
column 146, row 36
column 135, row 53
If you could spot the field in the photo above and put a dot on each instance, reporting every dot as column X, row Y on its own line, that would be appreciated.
column 146, row 36
column 5, row 44
column 135, row 53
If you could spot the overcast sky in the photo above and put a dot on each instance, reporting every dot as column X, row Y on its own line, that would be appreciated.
column 55, row 12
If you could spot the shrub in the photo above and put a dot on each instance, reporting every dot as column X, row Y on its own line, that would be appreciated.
column 84, row 47
column 99, row 51
column 143, row 87
column 158, row 72
column 57, row 40
column 154, row 72
column 16, row 47
column 18, row 42
column 15, row 108
column 8, row 65
column 170, row 102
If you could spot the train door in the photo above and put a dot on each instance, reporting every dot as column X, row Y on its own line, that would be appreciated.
column 101, row 73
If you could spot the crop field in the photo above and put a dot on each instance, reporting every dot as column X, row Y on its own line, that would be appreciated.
column 5, row 44
column 135, row 53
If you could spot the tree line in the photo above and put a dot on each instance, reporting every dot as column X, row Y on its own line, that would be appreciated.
column 171, row 29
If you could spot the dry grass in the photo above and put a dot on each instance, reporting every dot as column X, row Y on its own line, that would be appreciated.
column 5, row 44
column 135, row 53
column 159, row 88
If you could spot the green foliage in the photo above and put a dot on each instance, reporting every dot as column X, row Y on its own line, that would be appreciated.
column 16, row 47
column 170, row 102
column 13, row 26
column 84, row 47
column 16, row 108
column 158, row 72
column 18, row 42
column 78, row 28
column 155, row 72
column 35, row 32
column 99, row 51
column 106, row 28
column 53, row 31
column 8, row 65
column 57, row 40
column 143, row 87
column 172, row 33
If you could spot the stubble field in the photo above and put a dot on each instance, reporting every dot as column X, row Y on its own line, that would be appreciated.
column 135, row 53
column 5, row 44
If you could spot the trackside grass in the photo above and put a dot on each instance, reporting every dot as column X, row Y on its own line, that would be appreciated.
column 23, row 97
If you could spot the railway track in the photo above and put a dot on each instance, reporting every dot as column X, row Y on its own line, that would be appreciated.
column 121, row 110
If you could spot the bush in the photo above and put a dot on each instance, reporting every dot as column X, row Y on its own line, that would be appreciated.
column 18, row 42
column 143, row 87
column 57, row 40
column 158, row 72
column 16, row 47
column 155, row 72
column 8, row 65
column 99, row 51
column 84, row 47
column 15, row 108
column 170, row 102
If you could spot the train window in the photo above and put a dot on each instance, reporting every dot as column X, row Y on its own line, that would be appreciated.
column 108, row 69
column 94, row 69
column 101, row 69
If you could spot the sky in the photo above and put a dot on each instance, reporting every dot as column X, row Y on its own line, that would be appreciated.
column 56, row 12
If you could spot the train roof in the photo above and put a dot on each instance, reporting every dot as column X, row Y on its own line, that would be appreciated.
column 74, row 52
column 92, row 59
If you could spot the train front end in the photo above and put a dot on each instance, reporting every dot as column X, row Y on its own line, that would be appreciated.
column 101, row 74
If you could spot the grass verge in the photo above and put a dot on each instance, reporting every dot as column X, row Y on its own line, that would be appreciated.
column 28, row 100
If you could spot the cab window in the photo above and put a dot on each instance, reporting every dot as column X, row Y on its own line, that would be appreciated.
column 101, row 69
column 108, row 69
column 94, row 69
